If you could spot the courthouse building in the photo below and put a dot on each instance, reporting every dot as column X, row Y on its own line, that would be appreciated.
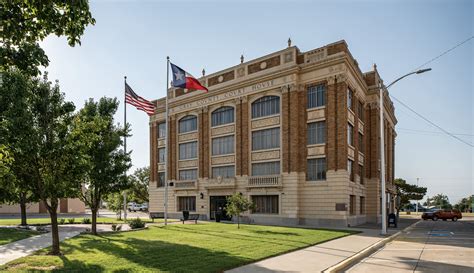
column 295, row 132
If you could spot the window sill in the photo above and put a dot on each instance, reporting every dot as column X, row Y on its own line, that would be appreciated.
column 264, row 117
column 222, row 125
column 315, row 108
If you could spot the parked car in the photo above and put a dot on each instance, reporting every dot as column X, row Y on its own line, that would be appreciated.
column 428, row 214
column 444, row 215
column 143, row 207
column 132, row 206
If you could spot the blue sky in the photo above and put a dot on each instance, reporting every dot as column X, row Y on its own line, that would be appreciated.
column 133, row 38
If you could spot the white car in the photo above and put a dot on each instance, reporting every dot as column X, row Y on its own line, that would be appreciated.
column 132, row 206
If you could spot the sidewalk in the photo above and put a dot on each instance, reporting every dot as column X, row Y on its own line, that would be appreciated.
column 319, row 257
column 25, row 247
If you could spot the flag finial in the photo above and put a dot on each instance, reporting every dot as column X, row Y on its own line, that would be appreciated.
column 203, row 72
column 242, row 58
column 289, row 42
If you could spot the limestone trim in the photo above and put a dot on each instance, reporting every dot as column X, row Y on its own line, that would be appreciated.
column 265, row 122
column 317, row 150
column 222, row 159
column 189, row 163
column 161, row 143
column 265, row 155
column 350, row 117
column 221, row 130
column 350, row 152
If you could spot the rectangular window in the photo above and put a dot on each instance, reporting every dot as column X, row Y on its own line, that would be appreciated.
column 224, row 171
column 188, row 124
column 350, row 169
column 317, row 132
column 361, row 143
column 266, row 139
column 161, row 180
column 223, row 145
column 316, row 96
column 188, row 150
column 316, row 170
column 361, row 173
column 161, row 155
column 349, row 99
column 350, row 134
column 266, row 168
column 265, row 204
column 190, row 174
column 162, row 130
column 362, row 205
column 352, row 205
column 187, row 203
column 361, row 111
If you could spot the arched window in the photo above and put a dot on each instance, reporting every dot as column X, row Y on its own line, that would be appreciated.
column 222, row 116
column 188, row 124
column 266, row 106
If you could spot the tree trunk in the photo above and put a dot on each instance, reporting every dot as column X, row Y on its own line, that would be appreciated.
column 23, row 209
column 94, row 221
column 238, row 221
column 54, row 229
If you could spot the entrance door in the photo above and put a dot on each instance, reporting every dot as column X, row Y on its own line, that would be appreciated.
column 218, row 203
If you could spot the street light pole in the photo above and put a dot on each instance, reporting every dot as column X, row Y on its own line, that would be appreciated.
column 417, row 179
column 382, row 147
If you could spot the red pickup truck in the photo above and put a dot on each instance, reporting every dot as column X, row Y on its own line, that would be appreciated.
column 444, row 215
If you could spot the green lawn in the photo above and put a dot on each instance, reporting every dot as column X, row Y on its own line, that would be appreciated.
column 206, row 247
column 8, row 235
column 77, row 220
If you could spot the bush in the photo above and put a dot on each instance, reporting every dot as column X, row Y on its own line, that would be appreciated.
column 70, row 220
column 62, row 221
column 116, row 227
column 86, row 221
column 136, row 223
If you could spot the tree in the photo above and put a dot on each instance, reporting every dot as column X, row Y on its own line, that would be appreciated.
column 440, row 201
column 57, row 163
column 115, row 203
column 5, row 162
column 139, row 181
column 464, row 204
column 16, row 130
column 237, row 204
column 102, row 139
column 25, row 23
column 408, row 192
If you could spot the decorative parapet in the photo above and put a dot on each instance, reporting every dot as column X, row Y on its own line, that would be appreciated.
column 265, row 181
column 316, row 55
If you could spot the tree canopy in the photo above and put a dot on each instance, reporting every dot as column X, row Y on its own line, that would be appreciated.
column 440, row 201
column 25, row 23
column 236, row 205
column 465, row 204
column 138, row 190
column 101, row 140
column 409, row 192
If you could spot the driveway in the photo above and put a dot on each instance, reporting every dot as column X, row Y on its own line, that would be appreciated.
column 442, row 246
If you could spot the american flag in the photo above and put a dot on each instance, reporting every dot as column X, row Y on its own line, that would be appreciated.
column 137, row 101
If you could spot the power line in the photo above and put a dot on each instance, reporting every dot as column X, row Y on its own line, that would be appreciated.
column 430, row 122
column 421, row 116
column 444, row 53
column 432, row 132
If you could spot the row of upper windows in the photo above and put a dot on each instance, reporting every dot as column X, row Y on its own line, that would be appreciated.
column 262, row 107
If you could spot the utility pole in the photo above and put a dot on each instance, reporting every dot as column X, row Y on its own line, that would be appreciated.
column 417, row 179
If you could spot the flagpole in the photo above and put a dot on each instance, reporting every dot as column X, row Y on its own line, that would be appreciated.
column 125, row 145
column 168, row 150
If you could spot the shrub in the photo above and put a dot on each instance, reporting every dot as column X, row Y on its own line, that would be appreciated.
column 62, row 221
column 86, row 221
column 116, row 227
column 136, row 223
column 70, row 220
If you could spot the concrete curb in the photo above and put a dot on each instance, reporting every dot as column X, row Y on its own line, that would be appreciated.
column 366, row 252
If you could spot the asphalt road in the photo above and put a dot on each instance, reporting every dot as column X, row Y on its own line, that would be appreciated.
column 442, row 246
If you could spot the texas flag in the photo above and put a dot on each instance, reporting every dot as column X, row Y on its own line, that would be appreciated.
column 185, row 80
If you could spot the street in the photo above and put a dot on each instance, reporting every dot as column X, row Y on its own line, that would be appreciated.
column 441, row 246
